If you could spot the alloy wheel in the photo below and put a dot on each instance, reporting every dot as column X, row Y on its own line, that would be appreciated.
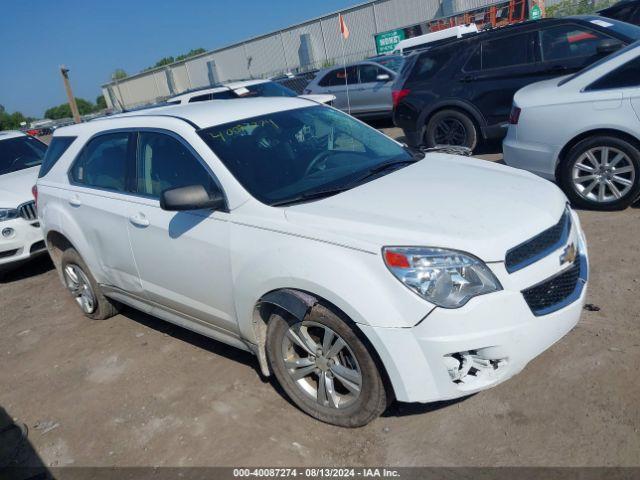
column 321, row 364
column 80, row 287
column 450, row 131
column 603, row 174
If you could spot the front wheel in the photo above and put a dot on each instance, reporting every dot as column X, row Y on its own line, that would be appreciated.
column 325, row 369
column 601, row 173
column 451, row 127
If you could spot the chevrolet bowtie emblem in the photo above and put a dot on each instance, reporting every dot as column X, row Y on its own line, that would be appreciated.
column 569, row 254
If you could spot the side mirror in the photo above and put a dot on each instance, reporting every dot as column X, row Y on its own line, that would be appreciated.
column 608, row 46
column 192, row 197
column 383, row 77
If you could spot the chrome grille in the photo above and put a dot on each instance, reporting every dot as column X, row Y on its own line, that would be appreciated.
column 28, row 211
column 539, row 246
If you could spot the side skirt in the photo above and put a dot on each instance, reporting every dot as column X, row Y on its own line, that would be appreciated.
column 178, row 318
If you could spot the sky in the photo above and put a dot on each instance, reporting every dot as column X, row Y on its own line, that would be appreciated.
column 94, row 37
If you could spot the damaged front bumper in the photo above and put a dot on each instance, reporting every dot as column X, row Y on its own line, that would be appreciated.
column 453, row 353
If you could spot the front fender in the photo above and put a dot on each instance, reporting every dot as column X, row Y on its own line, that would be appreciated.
column 355, row 281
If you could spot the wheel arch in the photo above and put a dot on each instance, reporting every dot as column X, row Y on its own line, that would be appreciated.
column 298, row 304
column 459, row 105
column 611, row 132
column 57, row 243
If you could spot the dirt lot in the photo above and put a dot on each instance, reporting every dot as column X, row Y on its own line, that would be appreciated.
column 134, row 390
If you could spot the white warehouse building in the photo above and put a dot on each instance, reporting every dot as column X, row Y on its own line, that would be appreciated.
column 305, row 46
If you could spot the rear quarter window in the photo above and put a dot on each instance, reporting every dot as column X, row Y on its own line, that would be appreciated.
column 429, row 64
column 56, row 149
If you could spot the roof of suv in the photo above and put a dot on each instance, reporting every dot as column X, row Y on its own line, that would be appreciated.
column 526, row 25
column 7, row 134
column 218, row 88
column 202, row 114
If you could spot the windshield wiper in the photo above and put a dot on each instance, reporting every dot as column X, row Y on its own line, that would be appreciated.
column 381, row 168
column 312, row 195
column 316, row 194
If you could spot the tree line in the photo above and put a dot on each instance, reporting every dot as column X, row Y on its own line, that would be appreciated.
column 84, row 107
column 11, row 121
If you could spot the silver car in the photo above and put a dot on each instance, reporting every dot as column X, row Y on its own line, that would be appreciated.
column 362, row 89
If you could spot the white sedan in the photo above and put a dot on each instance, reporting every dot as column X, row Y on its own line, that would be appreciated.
column 20, row 235
column 583, row 131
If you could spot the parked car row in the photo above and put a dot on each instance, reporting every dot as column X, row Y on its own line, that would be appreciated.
column 461, row 92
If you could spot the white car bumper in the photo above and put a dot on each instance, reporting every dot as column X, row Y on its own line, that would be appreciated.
column 24, row 242
column 456, row 352
column 538, row 158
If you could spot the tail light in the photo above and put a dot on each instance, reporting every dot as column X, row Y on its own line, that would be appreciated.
column 398, row 95
column 34, row 191
column 514, row 116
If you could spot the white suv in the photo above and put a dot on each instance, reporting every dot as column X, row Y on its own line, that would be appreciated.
column 20, row 235
column 356, row 270
column 243, row 89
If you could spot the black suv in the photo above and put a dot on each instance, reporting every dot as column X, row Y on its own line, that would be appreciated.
column 460, row 92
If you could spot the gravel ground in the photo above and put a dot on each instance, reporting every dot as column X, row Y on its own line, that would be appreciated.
column 134, row 390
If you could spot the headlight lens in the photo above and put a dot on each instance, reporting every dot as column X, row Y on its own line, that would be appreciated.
column 8, row 214
column 446, row 278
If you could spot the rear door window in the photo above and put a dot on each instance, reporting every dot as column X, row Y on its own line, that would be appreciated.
column 429, row 64
column 569, row 41
column 57, row 147
column 102, row 163
column 508, row 51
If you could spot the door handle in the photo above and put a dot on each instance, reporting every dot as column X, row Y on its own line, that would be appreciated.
column 139, row 220
column 75, row 201
column 468, row 78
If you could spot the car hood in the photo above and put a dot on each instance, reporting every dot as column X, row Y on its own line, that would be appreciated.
column 15, row 187
column 442, row 201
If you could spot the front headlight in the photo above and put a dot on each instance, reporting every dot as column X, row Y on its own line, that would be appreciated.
column 8, row 214
column 446, row 278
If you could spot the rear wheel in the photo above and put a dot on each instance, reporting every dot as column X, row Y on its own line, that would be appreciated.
column 84, row 289
column 451, row 127
column 601, row 173
column 325, row 369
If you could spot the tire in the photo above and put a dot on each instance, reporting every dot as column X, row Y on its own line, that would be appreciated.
column 462, row 130
column 577, row 170
column 346, row 407
column 84, row 288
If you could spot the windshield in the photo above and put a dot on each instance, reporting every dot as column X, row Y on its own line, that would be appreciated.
column 599, row 62
column 392, row 62
column 20, row 153
column 283, row 156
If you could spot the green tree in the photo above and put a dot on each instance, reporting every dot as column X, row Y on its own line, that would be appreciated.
column 11, row 121
column 64, row 110
column 169, row 60
column 101, row 103
column 119, row 74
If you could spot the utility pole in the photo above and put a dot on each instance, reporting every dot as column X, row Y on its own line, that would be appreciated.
column 64, row 71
